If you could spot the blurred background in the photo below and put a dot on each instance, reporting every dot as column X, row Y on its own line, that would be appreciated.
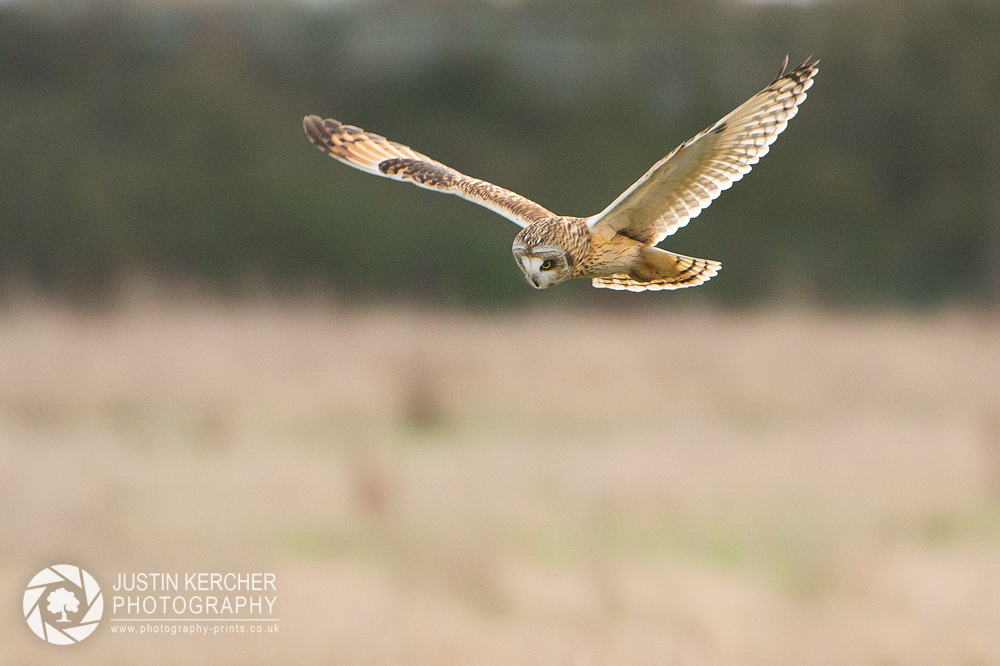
column 222, row 350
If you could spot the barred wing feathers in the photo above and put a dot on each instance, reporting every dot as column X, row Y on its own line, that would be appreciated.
column 682, row 184
column 691, row 272
column 377, row 155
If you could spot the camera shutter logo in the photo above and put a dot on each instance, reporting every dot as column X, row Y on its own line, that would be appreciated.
column 63, row 604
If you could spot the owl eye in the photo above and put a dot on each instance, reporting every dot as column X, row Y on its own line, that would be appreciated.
column 546, row 265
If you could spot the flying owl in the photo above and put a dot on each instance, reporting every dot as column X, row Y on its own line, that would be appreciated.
column 615, row 248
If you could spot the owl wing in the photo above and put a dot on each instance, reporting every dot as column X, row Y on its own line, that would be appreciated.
column 682, row 184
column 377, row 155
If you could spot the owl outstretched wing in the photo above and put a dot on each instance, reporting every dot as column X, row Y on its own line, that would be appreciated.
column 377, row 155
column 682, row 184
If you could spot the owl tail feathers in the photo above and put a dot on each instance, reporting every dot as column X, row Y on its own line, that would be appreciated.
column 660, row 269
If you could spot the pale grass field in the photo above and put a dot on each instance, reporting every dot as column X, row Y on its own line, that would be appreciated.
column 692, row 487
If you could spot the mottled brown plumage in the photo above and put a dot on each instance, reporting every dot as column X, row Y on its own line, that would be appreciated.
column 377, row 155
column 615, row 247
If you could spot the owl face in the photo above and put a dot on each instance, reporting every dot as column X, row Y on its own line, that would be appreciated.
column 542, row 266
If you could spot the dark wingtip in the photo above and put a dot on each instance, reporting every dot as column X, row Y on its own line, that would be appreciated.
column 807, row 65
column 781, row 72
column 313, row 126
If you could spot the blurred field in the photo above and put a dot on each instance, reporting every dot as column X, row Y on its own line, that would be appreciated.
column 545, row 487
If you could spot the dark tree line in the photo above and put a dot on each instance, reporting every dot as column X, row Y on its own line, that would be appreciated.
column 155, row 141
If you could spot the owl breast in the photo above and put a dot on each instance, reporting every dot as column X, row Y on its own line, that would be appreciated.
column 620, row 254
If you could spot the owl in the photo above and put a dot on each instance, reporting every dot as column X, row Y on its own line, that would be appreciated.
column 616, row 247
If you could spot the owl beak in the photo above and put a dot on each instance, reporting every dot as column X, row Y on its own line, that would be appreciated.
column 534, row 281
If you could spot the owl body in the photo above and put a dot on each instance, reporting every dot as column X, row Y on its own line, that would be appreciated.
column 614, row 248
column 559, row 248
column 552, row 250
column 556, row 249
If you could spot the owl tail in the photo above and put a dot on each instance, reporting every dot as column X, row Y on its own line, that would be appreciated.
column 660, row 269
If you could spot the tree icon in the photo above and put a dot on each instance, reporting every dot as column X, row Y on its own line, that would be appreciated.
column 62, row 600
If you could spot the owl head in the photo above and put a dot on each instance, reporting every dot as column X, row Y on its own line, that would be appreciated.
column 542, row 265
